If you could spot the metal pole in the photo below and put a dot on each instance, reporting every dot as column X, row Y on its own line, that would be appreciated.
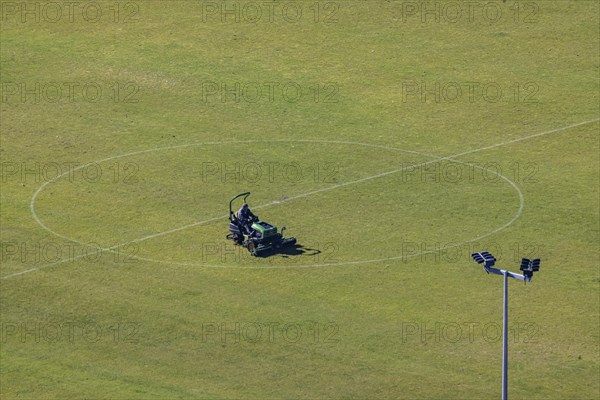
column 505, row 340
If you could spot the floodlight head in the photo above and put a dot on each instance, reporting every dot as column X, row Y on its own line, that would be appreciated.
column 484, row 258
column 529, row 267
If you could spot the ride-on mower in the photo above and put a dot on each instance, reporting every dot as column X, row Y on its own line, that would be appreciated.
column 260, row 238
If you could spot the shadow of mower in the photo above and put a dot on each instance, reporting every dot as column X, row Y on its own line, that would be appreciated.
column 291, row 251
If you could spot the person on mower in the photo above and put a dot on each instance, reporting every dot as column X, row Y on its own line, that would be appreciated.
column 246, row 218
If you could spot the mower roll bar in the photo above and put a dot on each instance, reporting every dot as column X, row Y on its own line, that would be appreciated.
column 245, row 194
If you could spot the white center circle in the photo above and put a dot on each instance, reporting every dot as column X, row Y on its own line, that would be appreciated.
column 433, row 159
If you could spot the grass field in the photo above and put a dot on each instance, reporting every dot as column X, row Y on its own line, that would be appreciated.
column 391, row 138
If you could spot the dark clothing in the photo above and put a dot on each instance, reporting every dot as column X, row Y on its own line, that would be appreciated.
column 246, row 217
column 244, row 214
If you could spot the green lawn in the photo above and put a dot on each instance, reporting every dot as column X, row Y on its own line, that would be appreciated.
column 126, row 127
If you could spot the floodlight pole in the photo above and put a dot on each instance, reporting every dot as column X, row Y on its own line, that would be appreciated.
column 505, row 340
column 528, row 267
column 506, row 274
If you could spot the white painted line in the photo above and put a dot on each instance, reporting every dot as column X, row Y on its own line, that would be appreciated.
column 158, row 234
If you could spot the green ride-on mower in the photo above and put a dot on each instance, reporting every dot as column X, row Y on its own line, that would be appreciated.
column 259, row 237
